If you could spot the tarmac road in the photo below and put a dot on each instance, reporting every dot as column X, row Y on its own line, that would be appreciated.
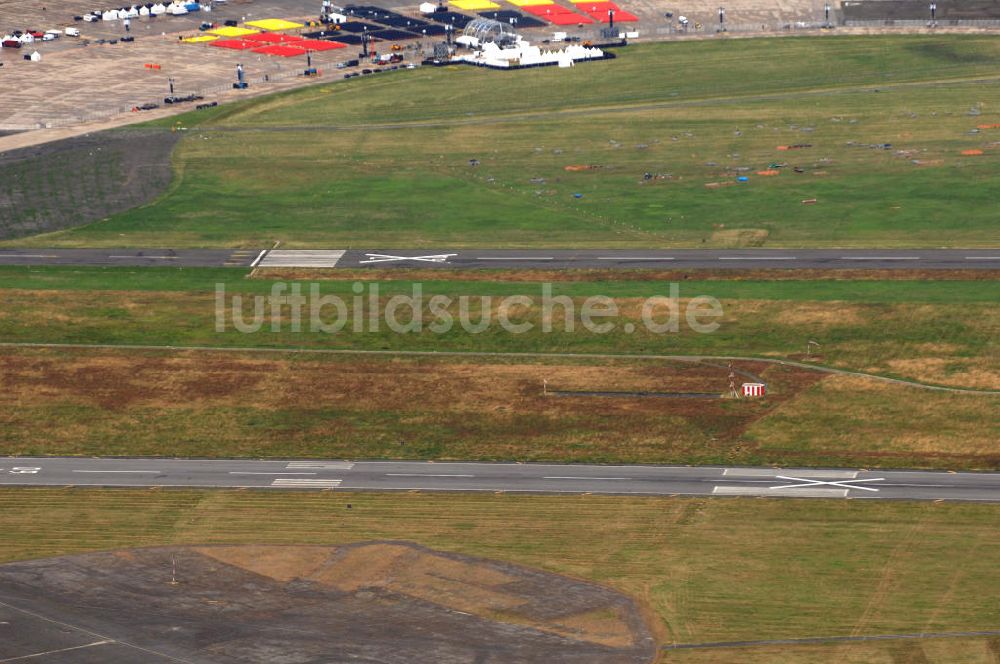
column 494, row 477
column 557, row 259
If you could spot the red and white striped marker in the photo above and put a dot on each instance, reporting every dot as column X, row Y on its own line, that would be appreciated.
column 753, row 389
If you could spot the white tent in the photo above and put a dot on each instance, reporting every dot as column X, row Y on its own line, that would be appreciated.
column 177, row 9
column 427, row 8
column 144, row 11
column 158, row 9
column 524, row 54
column 132, row 12
column 35, row 57
column 110, row 15
column 25, row 38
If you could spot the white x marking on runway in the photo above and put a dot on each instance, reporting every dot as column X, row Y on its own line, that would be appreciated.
column 386, row 258
column 845, row 484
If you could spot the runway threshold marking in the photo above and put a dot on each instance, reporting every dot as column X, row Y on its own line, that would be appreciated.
column 302, row 258
column 291, row 482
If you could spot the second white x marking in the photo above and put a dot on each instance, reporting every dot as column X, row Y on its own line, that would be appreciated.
column 388, row 258
column 844, row 484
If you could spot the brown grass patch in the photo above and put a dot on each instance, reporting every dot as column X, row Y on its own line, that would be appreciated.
column 281, row 563
column 201, row 402
column 821, row 314
column 893, row 421
column 116, row 381
column 960, row 372
column 740, row 237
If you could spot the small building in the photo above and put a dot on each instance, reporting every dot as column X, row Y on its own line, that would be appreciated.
column 754, row 389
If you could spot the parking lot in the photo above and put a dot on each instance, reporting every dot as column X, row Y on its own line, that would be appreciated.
column 89, row 80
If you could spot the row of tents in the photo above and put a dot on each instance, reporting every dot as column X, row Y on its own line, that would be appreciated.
column 27, row 37
column 148, row 9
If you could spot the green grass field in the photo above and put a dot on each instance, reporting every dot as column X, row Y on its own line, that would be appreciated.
column 79, row 401
column 937, row 332
column 385, row 161
column 706, row 569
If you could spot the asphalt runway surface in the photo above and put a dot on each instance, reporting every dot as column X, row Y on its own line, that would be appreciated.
column 558, row 259
column 131, row 257
column 499, row 477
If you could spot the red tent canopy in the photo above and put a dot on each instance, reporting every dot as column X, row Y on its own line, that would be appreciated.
column 273, row 38
column 236, row 44
column 284, row 50
column 319, row 45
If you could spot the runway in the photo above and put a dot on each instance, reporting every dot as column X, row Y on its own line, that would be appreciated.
column 681, row 259
column 131, row 257
column 509, row 259
column 337, row 475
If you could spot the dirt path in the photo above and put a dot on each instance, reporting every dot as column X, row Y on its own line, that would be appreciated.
column 540, row 355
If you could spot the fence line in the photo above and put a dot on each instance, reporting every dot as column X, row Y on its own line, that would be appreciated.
column 923, row 23
column 712, row 28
